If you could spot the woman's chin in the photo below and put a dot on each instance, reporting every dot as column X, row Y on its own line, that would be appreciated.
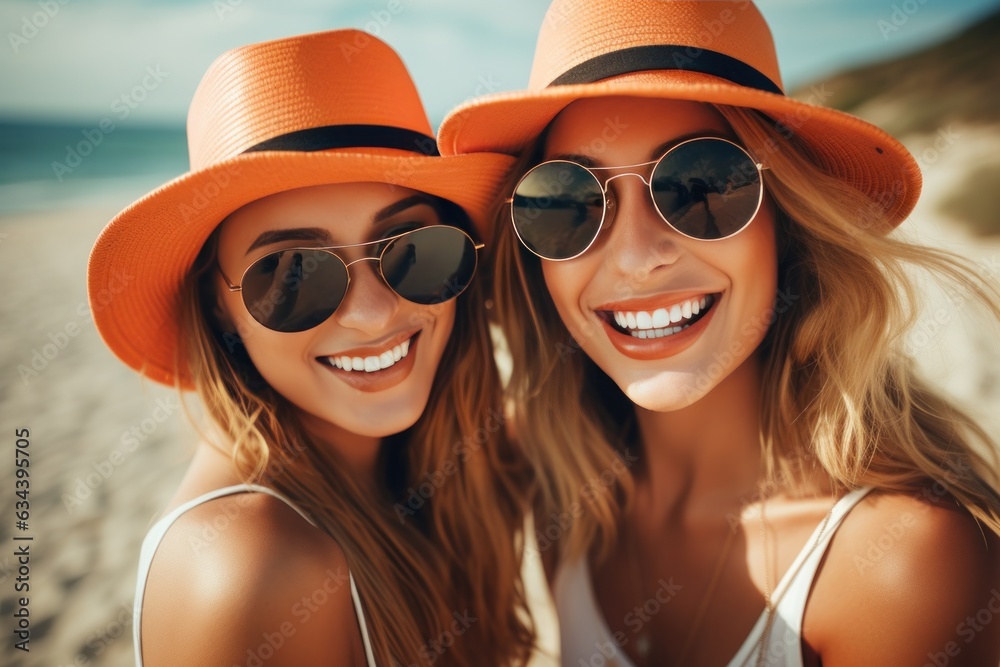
column 664, row 393
column 371, row 421
column 383, row 425
column 380, row 431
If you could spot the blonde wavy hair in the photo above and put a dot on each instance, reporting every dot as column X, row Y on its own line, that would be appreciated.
column 460, row 550
column 839, row 395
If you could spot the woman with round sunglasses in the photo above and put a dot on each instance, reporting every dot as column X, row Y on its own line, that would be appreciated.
column 311, row 279
column 736, row 463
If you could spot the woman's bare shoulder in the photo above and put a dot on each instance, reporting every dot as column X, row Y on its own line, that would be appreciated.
column 244, row 576
column 905, row 579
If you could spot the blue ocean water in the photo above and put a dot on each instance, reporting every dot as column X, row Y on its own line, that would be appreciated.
column 49, row 166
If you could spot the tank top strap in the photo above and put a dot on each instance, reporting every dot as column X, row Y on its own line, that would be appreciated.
column 783, row 647
column 159, row 530
column 803, row 570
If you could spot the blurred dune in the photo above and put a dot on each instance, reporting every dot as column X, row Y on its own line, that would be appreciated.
column 943, row 103
column 950, row 86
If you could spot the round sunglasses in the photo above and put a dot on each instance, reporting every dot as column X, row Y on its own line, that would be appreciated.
column 706, row 188
column 296, row 289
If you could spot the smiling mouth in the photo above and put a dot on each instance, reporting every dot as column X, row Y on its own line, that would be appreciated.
column 372, row 363
column 662, row 322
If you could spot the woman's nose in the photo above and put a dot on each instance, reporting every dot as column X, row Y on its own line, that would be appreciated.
column 369, row 304
column 639, row 241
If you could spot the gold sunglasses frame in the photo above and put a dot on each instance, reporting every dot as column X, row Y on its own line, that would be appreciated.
column 609, row 201
column 347, row 267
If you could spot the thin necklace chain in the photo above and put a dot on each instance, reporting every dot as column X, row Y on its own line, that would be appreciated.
column 771, row 604
column 709, row 594
column 642, row 642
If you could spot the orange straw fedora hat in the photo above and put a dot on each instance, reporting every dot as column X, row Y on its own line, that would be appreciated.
column 324, row 108
column 704, row 51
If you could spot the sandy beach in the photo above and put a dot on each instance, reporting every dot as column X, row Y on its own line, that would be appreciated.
column 107, row 450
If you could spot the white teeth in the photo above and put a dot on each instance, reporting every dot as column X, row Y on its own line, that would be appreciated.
column 658, row 323
column 658, row 333
column 371, row 364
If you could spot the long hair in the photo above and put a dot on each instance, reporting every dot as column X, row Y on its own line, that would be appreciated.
column 443, row 539
column 839, row 394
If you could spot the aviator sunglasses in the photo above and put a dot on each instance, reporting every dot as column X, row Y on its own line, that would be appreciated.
column 706, row 188
column 296, row 289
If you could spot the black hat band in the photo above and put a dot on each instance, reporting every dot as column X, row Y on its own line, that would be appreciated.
column 667, row 57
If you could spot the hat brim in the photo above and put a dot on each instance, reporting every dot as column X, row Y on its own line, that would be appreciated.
column 141, row 258
column 849, row 148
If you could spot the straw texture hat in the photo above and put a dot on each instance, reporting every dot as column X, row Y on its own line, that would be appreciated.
column 324, row 108
column 718, row 52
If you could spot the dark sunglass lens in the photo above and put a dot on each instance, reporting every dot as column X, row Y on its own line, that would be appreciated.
column 557, row 209
column 707, row 189
column 430, row 265
column 294, row 290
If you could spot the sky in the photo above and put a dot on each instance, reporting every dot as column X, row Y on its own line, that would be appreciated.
column 70, row 60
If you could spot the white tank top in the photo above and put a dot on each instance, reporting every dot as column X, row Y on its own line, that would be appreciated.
column 159, row 529
column 585, row 634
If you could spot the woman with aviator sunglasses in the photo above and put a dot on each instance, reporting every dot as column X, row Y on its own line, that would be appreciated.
column 695, row 277
column 355, row 500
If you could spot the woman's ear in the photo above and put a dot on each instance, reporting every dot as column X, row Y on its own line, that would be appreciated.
column 217, row 314
column 782, row 230
column 212, row 286
column 221, row 313
column 225, row 323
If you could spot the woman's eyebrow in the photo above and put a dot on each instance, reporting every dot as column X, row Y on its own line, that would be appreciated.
column 402, row 205
column 575, row 157
column 322, row 236
column 295, row 234
column 656, row 153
